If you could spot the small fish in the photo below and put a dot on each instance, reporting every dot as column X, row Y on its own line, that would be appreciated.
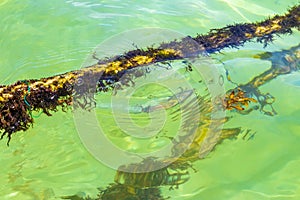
column 170, row 102
column 251, row 136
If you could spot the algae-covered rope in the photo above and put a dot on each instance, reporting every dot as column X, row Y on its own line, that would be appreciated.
column 48, row 94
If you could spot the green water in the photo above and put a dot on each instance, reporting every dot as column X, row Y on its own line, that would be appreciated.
column 52, row 37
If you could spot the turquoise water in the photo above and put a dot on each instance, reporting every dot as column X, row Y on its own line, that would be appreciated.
column 51, row 37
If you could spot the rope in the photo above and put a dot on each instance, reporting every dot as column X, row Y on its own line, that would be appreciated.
column 27, row 103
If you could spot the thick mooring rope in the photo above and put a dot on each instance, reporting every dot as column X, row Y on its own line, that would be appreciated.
column 18, row 100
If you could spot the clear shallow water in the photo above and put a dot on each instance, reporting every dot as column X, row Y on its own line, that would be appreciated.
column 51, row 37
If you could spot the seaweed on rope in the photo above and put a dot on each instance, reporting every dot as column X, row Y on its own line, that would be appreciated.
column 17, row 101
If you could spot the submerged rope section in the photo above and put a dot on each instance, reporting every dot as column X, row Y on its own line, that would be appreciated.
column 18, row 100
column 130, row 183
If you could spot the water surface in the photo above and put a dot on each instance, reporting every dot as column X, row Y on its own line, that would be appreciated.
column 39, row 39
